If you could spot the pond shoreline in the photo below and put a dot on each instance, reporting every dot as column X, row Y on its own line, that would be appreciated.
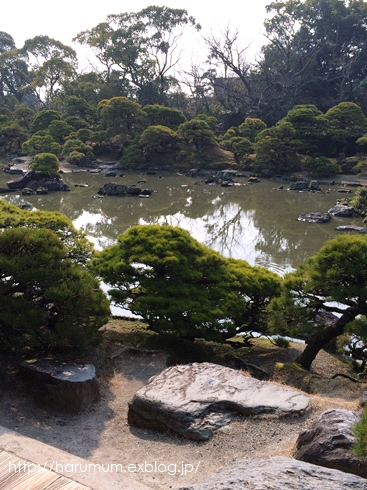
column 256, row 222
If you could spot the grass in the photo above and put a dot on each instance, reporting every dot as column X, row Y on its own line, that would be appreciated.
column 120, row 330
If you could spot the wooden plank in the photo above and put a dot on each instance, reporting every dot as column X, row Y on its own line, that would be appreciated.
column 24, row 481
column 64, row 483
column 17, row 474
column 4, row 456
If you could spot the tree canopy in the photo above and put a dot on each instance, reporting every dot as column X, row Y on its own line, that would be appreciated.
column 47, row 301
column 331, row 281
column 182, row 287
column 161, row 273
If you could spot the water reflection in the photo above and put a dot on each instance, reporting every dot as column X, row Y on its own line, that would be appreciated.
column 252, row 222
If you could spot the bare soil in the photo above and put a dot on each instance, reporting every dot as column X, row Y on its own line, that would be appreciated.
column 101, row 434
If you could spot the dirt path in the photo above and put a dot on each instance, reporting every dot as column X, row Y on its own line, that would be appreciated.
column 102, row 434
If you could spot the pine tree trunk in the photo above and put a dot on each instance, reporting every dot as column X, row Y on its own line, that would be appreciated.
column 324, row 336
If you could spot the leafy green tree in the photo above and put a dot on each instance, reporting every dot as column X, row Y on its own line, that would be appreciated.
column 72, row 145
column 161, row 273
column 319, row 167
column 211, row 121
column 359, row 448
column 347, row 123
column 41, row 142
column 254, row 288
column 333, row 281
column 47, row 301
column 156, row 140
column 362, row 142
column 121, row 116
column 359, row 201
column 238, row 145
column 46, row 163
column 159, row 115
column 81, row 108
column 14, row 74
column 232, row 132
column 12, row 137
column 76, row 122
column 315, row 54
column 49, row 61
column 78, row 248
column 43, row 119
column 141, row 47
column 85, row 134
column 251, row 127
column 24, row 115
column 133, row 154
column 197, row 132
column 275, row 149
column 311, row 127
column 6, row 42
column 59, row 130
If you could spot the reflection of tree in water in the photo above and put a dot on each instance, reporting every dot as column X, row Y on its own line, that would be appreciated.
column 226, row 227
column 283, row 241
column 254, row 223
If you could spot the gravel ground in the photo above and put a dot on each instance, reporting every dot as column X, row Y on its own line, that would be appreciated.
column 102, row 435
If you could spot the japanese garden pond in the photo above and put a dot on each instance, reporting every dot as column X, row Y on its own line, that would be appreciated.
column 255, row 222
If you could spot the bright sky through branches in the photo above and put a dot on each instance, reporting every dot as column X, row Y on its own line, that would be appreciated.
column 63, row 20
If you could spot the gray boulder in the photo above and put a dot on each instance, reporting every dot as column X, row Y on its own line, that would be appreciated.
column 314, row 217
column 34, row 180
column 328, row 440
column 300, row 185
column 62, row 386
column 112, row 189
column 194, row 400
column 356, row 229
column 314, row 186
column 343, row 211
column 279, row 473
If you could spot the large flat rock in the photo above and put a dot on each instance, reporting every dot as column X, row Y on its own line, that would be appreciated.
column 193, row 400
column 279, row 473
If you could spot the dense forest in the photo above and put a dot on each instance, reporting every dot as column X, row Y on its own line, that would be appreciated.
column 300, row 104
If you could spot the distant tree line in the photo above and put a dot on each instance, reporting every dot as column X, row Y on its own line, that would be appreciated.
column 315, row 54
column 305, row 139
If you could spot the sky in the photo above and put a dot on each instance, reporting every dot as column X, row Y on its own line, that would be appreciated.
column 25, row 19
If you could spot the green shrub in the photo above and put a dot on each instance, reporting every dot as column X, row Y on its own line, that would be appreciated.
column 46, row 163
column 47, row 301
column 320, row 167
column 76, row 145
column 359, row 201
column 76, row 157
column 281, row 342
column 360, row 433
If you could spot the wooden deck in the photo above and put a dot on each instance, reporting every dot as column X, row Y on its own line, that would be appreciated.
column 18, row 474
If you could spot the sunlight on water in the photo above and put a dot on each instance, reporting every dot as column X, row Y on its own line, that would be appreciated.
column 255, row 223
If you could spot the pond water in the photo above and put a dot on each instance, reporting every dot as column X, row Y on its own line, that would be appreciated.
column 252, row 222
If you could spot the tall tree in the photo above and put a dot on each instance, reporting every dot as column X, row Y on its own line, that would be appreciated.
column 333, row 281
column 228, row 55
column 50, row 62
column 315, row 54
column 14, row 76
column 143, row 46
